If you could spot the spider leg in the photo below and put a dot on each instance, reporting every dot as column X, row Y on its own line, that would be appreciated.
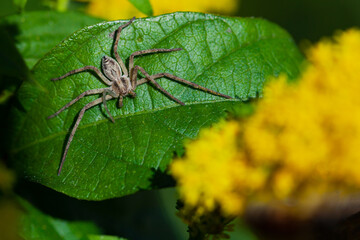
column 132, row 93
column 105, row 106
column 175, row 78
column 134, row 54
column 120, row 102
column 96, row 70
column 151, row 79
column 117, row 56
column 88, row 92
column 80, row 116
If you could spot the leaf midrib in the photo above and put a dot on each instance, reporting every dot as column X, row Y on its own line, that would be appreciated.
column 51, row 136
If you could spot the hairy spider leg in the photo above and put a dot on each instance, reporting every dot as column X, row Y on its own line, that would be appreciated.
column 142, row 52
column 86, row 93
column 177, row 79
column 81, row 114
column 168, row 75
column 108, row 91
column 117, row 56
column 157, row 85
column 96, row 70
column 120, row 102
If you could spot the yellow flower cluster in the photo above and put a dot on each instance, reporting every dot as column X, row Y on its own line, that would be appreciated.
column 123, row 9
column 212, row 172
column 302, row 140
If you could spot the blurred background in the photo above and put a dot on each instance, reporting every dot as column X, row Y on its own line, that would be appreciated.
column 151, row 215
column 303, row 19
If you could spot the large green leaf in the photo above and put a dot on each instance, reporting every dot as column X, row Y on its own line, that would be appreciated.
column 231, row 55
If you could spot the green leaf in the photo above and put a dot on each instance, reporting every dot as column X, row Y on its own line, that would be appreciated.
column 231, row 55
column 143, row 6
column 62, row 5
column 36, row 33
column 102, row 237
column 36, row 225
column 20, row 4
column 12, row 67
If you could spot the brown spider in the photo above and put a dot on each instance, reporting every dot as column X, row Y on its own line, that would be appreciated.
column 121, row 83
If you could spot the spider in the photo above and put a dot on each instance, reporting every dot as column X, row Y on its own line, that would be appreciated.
column 122, row 82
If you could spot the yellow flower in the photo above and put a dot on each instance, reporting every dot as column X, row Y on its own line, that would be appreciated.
column 215, row 171
column 123, row 9
column 301, row 142
column 10, row 216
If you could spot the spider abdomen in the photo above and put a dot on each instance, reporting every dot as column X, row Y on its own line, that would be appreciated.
column 111, row 68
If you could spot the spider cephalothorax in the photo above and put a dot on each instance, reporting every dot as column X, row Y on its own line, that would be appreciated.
column 121, row 82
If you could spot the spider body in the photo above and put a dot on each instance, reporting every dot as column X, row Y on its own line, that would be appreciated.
column 121, row 82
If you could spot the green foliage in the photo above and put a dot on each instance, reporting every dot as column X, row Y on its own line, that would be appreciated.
column 36, row 33
column 143, row 6
column 58, row 5
column 101, row 237
column 37, row 225
column 231, row 55
column 20, row 4
column 12, row 66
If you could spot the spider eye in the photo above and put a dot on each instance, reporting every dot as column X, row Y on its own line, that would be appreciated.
column 105, row 59
column 111, row 68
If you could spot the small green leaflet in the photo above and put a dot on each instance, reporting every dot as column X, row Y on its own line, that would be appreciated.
column 143, row 6
column 36, row 225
